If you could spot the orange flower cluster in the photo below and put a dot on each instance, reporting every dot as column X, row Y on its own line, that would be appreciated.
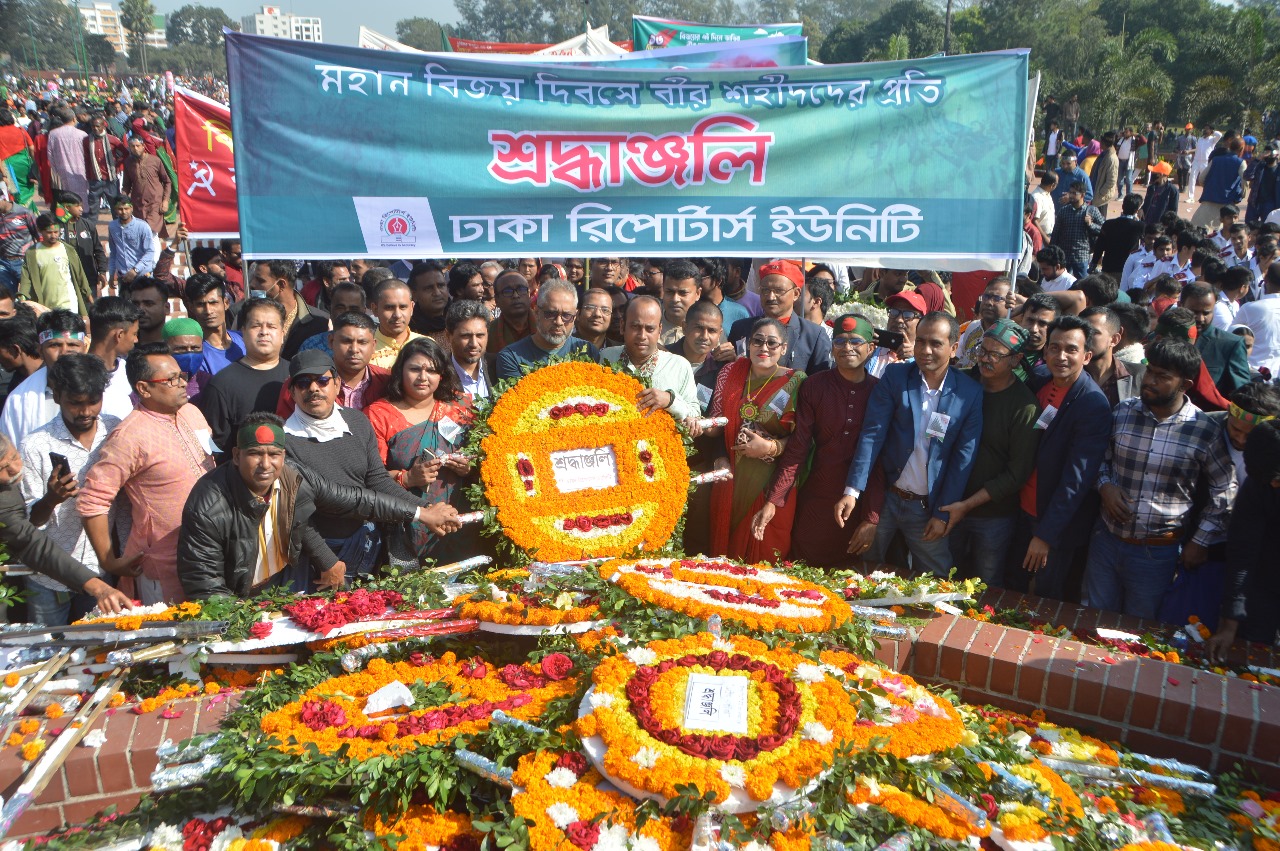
column 54, row 711
column 178, row 692
column 282, row 829
column 180, row 612
column 14, row 740
column 27, row 726
column 1150, row 846
column 1166, row 799
column 592, row 641
column 916, row 812
column 32, row 750
column 536, row 796
column 478, row 681
column 765, row 599
column 421, row 827
column 516, row 609
column 533, row 517
column 12, row 680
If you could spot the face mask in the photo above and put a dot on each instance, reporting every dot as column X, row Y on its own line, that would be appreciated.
column 257, row 294
column 190, row 362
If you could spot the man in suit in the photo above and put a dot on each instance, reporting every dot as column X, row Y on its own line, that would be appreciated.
column 467, row 324
column 1075, row 420
column 922, row 424
column 1118, row 380
column 1223, row 353
column 808, row 346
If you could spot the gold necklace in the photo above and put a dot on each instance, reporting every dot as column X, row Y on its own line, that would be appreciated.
column 750, row 407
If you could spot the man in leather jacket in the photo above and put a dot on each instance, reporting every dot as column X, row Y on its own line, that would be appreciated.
column 245, row 525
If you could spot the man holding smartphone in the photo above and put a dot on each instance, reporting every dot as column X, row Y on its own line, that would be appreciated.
column 55, row 457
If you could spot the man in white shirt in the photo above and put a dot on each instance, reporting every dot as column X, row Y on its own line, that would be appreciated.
column 1052, row 147
column 1054, row 276
column 1229, row 214
column 1263, row 318
column 113, row 332
column 1162, row 262
column 672, row 388
column 1144, row 253
column 467, row 324
column 1200, row 162
column 1046, row 215
column 30, row 405
column 1233, row 288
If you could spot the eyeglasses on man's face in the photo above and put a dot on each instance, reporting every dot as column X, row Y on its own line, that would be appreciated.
column 557, row 316
column 176, row 380
column 510, row 292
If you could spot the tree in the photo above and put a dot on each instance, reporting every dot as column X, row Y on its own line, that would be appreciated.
column 916, row 23
column 195, row 24
column 136, row 16
column 47, row 32
column 101, row 53
column 1246, row 81
column 1132, row 81
column 422, row 33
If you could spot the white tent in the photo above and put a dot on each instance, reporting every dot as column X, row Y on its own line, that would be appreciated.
column 594, row 42
column 377, row 41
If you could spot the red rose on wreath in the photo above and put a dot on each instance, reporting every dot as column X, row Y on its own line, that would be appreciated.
column 574, row 761
column 518, row 676
column 649, row 470
column 524, row 467
column 260, row 629
column 600, row 408
column 602, row 522
column 989, row 805
column 555, row 413
column 570, row 524
column 582, row 408
column 557, row 667
column 722, row 747
column 528, row 485
column 584, row 834
column 646, row 456
column 584, row 523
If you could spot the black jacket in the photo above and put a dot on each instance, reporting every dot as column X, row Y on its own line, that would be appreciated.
column 82, row 236
column 28, row 545
column 218, row 542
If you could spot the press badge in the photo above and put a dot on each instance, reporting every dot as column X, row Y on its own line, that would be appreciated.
column 778, row 404
column 937, row 427
column 449, row 430
column 704, row 396
column 1046, row 416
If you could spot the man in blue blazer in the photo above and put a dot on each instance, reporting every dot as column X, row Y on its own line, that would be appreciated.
column 1075, row 424
column 923, row 423
column 808, row 345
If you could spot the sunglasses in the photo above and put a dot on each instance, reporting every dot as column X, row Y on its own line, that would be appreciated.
column 302, row 382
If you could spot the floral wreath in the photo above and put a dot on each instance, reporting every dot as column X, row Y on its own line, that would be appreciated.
column 756, row 596
column 421, row 828
column 505, row 601
column 574, row 405
column 331, row 714
column 798, row 715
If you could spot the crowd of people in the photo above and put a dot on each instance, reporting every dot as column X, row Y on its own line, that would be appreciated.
column 1099, row 425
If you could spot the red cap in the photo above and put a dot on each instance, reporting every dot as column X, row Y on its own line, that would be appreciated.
column 787, row 269
column 911, row 297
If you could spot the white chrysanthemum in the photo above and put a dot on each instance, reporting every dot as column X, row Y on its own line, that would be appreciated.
column 166, row 837
column 600, row 699
column 644, row 843
column 646, row 757
column 642, row 656
column 561, row 778
column 613, row 837
column 734, row 775
column 223, row 840
column 816, row 732
column 757, row 846
column 564, row 601
column 878, row 575
column 562, row 815
column 807, row 673
column 497, row 594
column 721, row 644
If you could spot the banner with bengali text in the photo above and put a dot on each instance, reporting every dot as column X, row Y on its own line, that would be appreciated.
column 762, row 53
column 205, row 163
column 467, row 45
column 649, row 33
column 450, row 156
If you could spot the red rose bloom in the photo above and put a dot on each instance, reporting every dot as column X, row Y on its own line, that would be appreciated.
column 723, row 747
column 646, row 456
column 601, row 522
column 574, row 761
column 555, row 413
column 582, row 408
column 260, row 629
column 584, row 834
column 649, row 470
column 584, row 523
column 557, row 667
column 524, row 467
column 600, row 408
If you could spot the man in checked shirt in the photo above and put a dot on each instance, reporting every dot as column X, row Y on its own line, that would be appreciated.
column 1161, row 444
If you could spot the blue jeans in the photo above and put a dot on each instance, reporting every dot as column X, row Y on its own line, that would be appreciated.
column 102, row 193
column 1050, row 580
column 55, row 608
column 358, row 552
column 1078, row 266
column 911, row 518
column 1127, row 578
column 11, row 274
column 1126, row 181
column 980, row 546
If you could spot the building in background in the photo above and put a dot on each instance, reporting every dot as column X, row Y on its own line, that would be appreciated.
column 273, row 22
column 103, row 19
column 157, row 36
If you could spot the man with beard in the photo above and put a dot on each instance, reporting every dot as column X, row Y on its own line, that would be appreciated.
column 205, row 296
column 466, row 282
column 1161, row 197
column 670, row 377
column 430, row 288
column 1038, row 313
column 1118, row 380
column 553, row 330
column 808, row 348
column 1161, row 444
column 1223, row 354
column 468, row 325
column 152, row 299
column 681, row 287
column 146, row 182
column 595, row 317
column 993, row 305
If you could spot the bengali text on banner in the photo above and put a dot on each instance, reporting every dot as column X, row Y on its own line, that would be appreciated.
column 446, row 156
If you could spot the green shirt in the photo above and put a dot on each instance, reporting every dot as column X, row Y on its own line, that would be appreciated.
column 1007, row 451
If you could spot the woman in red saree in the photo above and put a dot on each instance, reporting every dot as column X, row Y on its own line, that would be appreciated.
column 758, row 396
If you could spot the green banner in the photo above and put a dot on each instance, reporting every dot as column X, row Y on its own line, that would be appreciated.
column 650, row 33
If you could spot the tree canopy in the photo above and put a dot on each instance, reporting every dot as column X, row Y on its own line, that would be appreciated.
column 196, row 24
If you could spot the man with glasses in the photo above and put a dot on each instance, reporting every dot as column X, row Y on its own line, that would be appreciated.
column 594, row 318
column 252, row 383
column 981, row 524
column 993, row 305
column 654, row 273
column 606, row 271
column 513, row 323
column 553, row 332
column 155, row 456
column 905, row 310
column 808, row 347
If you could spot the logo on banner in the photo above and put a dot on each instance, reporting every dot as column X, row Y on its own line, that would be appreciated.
column 398, row 229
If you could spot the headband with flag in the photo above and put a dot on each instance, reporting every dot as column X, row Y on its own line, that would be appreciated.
column 851, row 323
column 1247, row 417
column 46, row 336
column 259, row 434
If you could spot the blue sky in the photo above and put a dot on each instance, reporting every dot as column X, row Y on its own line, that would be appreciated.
column 341, row 18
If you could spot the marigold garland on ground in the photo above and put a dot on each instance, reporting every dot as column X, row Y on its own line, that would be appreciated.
column 523, row 608
column 640, row 513
column 422, row 828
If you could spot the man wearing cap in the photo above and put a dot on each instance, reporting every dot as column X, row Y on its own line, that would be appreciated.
column 185, row 340
column 808, row 346
column 338, row 445
column 922, row 426
column 155, row 457
column 252, row 524
column 1162, row 196
column 981, row 524
column 905, row 311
